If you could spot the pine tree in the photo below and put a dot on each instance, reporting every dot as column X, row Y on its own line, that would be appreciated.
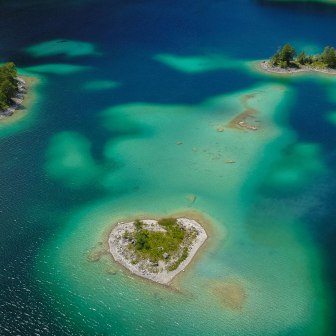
column 324, row 56
column 287, row 53
column 8, row 84
column 275, row 59
column 302, row 58
column 3, row 101
column 8, row 88
column 331, row 58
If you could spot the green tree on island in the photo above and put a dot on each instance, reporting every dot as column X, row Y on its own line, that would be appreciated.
column 8, row 84
column 302, row 58
column 328, row 57
column 284, row 57
column 287, row 53
column 332, row 58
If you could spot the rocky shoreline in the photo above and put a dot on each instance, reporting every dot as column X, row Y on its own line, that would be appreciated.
column 17, row 100
column 266, row 66
column 118, row 247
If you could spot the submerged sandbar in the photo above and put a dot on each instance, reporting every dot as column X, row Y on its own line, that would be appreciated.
column 157, row 250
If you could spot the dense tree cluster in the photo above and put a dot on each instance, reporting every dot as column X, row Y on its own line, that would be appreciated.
column 8, row 84
column 285, row 57
column 329, row 57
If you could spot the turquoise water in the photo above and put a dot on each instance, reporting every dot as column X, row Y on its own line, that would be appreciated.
column 132, row 116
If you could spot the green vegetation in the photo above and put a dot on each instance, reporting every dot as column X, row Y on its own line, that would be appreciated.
column 8, row 84
column 285, row 58
column 183, row 257
column 168, row 243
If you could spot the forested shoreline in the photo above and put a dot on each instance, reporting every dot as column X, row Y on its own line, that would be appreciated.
column 9, row 84
column 287, row 57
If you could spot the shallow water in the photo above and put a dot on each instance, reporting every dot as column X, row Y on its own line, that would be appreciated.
column 133, row 117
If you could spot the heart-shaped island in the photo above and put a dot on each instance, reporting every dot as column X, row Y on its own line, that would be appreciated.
column 156, row 249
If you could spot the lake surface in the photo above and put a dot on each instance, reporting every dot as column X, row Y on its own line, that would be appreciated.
column 133, row 117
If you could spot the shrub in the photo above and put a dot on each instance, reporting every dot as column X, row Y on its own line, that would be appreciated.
column 153, row 245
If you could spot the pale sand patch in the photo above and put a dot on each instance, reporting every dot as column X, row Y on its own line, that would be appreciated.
column 97, row 252
column 231, row 293
column 191, row 198
column 118, row 249
column 245, row 120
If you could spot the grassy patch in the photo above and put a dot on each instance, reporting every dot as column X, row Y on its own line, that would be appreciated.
column 183, row 257
column 167, row 244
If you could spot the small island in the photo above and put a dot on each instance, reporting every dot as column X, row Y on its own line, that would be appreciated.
column 286, row 60
column 156, row 249
column 12, row 89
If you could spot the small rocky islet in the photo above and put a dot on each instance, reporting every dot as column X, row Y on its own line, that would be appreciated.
column 156, row 249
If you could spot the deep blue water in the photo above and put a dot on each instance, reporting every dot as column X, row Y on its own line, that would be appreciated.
column 129, row 33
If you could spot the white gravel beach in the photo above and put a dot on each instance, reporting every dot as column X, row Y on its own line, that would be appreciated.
column 267, row 67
